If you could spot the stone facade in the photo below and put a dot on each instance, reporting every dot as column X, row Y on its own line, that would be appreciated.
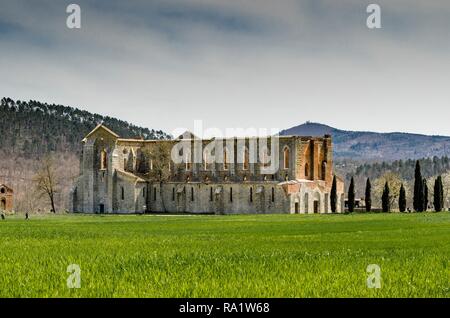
column 6, row 198
column 123, row 176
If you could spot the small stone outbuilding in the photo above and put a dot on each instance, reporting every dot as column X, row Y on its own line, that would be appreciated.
column 6, row 198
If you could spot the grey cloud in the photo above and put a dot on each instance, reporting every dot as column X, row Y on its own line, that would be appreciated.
column 262, row 63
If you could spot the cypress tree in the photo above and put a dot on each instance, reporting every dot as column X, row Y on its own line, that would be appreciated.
column 351, row 196
column 385, row 198
column 418, row 189
column 333, row 198
column 402, row 199
column 425, row 195
column 438, row 194
column 368, row 197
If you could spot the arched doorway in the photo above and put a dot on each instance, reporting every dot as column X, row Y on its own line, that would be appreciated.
column 3, row 205
column 316, row 202
column 296, row 207
column 306, row 203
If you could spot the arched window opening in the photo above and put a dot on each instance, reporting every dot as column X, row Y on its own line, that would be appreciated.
column 251, row 194
column 324, row 170
column 286, row 156
column 306, row 203
column 265, row 158
column 211, row 194
column 129, row 162
column 231, row 194
column 192, row 194
column 205, row 161
column 103, row 160
column 187, row 160
column 246, row 163
column 122, row 193
column 225, row 159
column 173, row 194
column 154, row 194
column 273, row 195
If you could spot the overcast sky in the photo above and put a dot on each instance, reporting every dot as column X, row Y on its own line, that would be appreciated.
column 234, row 63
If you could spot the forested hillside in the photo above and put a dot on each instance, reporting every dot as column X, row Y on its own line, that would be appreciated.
column 396, row 172
column 30, row 129
column 404, row 168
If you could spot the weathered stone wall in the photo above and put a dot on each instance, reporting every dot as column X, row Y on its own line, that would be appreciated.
column 113, row 180
column 219, row 198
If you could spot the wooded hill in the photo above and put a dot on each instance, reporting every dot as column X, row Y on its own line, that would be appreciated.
column 30, row 129
column 373, row 146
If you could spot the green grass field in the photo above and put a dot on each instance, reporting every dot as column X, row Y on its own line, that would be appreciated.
column 226, row 256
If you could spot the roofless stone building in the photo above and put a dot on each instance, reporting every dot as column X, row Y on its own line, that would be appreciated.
column 280, row 174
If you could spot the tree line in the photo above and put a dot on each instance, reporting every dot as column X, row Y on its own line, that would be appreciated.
column 404, row 168
column 420, row 200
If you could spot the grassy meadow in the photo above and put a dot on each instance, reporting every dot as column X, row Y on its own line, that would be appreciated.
column 226, row 256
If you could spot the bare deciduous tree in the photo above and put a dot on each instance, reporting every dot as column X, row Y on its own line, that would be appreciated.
column 47, row 181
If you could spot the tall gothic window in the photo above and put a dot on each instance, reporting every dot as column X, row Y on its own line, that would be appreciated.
column 188, row 162
column 246, row 158
column 103, row 160
column 286, row 154
column 265, row 159
column 324, row 170
column 225, row 159
column 307, row 170
column 206, row 164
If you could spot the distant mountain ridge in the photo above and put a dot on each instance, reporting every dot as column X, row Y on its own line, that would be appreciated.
column 366, row 145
